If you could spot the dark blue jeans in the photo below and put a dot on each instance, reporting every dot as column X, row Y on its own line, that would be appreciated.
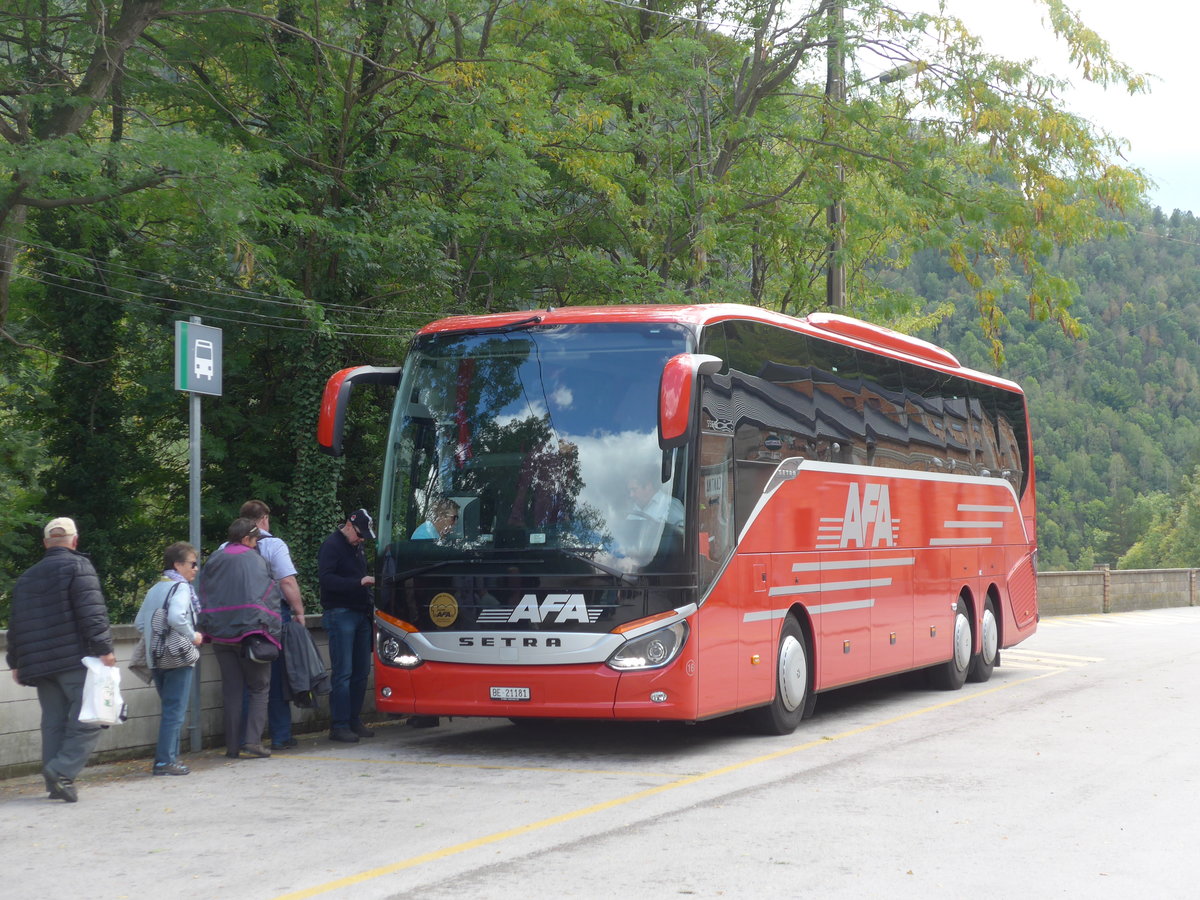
column 349, row 633
column 173, row 687
column 279, row 711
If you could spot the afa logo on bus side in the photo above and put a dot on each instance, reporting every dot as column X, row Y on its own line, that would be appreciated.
column 868, row 520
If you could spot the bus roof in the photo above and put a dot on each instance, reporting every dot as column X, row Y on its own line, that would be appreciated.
column 828, row 326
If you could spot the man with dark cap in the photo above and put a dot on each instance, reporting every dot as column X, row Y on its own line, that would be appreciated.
column 346, row 600
column 58, row 617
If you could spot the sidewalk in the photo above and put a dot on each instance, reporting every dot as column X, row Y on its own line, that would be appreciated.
column 232, row 829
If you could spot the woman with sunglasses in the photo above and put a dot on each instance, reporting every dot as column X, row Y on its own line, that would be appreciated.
column 174, row 590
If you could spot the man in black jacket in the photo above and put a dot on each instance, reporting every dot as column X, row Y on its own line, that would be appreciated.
column 346, row 599
column 58, row 617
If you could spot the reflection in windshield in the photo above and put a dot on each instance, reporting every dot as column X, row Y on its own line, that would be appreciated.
column 542, row 438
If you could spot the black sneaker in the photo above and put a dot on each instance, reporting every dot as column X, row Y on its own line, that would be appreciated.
column 171, row 769
column 60, row 788
column 344, row 735
column 256, row 750
column 362, row 730
column 289, row 744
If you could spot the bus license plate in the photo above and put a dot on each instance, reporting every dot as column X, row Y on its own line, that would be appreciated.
column 510, row 693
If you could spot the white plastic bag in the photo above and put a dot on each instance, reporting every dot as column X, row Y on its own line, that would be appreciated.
column 102, row 703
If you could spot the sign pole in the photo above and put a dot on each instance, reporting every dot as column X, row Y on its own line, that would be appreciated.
column 198, row 350
column 195, row 734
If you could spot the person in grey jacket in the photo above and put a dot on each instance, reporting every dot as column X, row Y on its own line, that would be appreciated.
column 174, row 593
column 239, row 605
column 58, row 617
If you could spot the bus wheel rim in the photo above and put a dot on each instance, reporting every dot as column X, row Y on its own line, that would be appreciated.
column 991, row 635
column 962, row 641
column 793, row 673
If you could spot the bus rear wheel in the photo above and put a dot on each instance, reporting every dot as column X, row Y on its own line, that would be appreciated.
column 793, row 700
column 952, row 674
column 989, row 643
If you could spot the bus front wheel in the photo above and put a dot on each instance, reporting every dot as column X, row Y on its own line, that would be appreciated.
column 952, row 674
column 793, row 700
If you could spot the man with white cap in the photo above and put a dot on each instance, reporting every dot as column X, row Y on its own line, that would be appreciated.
column 346, row 598
column 58, row 617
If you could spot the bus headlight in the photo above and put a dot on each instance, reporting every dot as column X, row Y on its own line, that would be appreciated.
column 651, row 651
column 394, row 651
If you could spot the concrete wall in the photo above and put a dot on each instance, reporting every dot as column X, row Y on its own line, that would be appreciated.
column 1059, row 594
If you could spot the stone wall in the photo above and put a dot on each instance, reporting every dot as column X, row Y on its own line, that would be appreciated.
column 20, row 738
column 1107, row 590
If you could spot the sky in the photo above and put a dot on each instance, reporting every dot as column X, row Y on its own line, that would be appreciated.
column 1158, row 37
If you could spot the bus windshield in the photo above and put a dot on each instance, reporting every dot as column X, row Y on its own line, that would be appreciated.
column 534, row 441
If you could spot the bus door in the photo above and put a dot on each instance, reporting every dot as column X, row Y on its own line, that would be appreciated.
column 760, row 621
column 725, row 580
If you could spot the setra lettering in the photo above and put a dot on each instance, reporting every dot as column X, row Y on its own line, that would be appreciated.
column 494, row 641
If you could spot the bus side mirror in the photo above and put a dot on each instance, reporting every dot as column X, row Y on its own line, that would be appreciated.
column 676, row 390
column 336, row 398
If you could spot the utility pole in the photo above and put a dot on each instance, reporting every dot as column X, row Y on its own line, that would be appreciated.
column 835, row 95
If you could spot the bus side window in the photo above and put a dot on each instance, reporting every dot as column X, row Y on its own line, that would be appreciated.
column 1010, row 426
column 926, row 419
column 838, row 396
column 983, row 425
column 716, row 535
column 883, row 407
column 958, row 437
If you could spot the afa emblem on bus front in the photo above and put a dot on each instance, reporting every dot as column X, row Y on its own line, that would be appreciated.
column 443, row 610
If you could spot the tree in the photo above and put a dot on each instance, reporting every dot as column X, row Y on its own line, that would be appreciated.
column 322, row 180
column 62, row 64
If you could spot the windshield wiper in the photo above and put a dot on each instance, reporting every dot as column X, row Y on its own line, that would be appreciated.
column 467, row 561
column 428, row 567
column 519, row 325
column 581, row 555
column 623, row 577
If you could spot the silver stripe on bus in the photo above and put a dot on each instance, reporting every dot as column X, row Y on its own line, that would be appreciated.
column 976, row 507
column 854, row 564
column 959, row 542
column 840, row 607
column 788, row 590
column 766, row 616
column 816, row 610
column 951, row 523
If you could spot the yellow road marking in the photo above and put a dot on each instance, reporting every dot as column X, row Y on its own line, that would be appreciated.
column 686, row 781
column 1018, row 652
column 435, row 764
column 1033, row 666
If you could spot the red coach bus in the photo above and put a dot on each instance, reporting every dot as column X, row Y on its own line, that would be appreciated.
column 682, row 512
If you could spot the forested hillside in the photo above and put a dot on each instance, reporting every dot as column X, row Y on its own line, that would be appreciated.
column 1116, row 414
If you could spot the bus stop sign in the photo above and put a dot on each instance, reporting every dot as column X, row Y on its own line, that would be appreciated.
column 198, row 358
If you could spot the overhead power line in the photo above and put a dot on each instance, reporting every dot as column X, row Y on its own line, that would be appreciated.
column 217, row 313
column 234, row 293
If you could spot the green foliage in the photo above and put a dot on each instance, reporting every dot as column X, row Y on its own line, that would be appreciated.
column 320, row 181
column 21, row 462
column 1116, row 415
